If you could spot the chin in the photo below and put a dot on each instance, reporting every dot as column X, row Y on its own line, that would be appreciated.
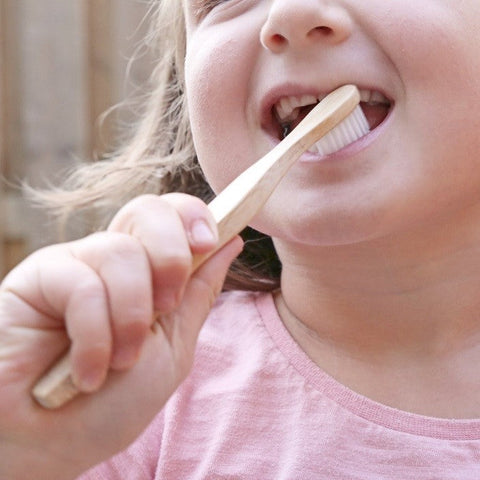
column 323, row 230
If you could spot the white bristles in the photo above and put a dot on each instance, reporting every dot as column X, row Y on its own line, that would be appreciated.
column 352, row 128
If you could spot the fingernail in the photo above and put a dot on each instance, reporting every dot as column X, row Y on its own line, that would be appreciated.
column 201, row 233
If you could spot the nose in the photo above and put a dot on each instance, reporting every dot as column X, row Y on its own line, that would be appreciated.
column 296, row 24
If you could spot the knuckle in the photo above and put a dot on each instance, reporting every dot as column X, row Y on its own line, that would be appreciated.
column 175, row 264
column 126, row 218
column 99, row 349
column 188, row 205
column 121, row 247
column 145, row 199
column 90, row 288
column 138, row 320
column 140, row 203
column 126, row 245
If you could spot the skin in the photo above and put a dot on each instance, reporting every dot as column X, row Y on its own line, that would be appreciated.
column 102, row 291
column 382, row 237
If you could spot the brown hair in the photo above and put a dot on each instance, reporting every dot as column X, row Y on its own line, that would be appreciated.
column 159, row 157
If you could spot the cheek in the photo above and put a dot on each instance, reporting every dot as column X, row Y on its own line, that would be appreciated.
column 435, row 50
column 430, row 44
column 216, row 77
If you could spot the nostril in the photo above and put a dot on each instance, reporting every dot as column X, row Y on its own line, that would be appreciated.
column 290, row 25
column 275, row 42
column 323, row 30
column 278, row 39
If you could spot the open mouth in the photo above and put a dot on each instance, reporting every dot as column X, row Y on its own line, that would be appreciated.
column 289, row 111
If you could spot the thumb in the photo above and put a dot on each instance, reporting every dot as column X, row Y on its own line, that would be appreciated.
column 203, row 289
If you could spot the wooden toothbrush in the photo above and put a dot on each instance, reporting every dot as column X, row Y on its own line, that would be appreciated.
column 239, row 202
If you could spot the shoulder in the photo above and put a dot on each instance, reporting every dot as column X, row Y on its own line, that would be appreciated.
column 235, row 329
column 235, row 310
column 231, row 301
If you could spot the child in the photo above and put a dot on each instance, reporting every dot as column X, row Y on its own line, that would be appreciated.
column 360, row 358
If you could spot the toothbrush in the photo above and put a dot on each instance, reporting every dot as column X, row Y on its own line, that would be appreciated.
column 334, row 123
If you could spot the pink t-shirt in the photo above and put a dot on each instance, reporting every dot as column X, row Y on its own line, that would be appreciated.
column 256, row 407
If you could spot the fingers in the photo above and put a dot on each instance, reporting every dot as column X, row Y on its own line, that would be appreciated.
column 171, row 228
column 107, row 286
column 144, row 262
column 197, row 221
column 145, row 213
column 121, row 262
column 87, row 320
column 51, row 288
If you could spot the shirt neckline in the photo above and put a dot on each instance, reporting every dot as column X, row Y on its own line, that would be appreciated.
column 355, row 403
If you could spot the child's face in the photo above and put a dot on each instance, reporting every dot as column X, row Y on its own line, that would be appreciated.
column 244, row 56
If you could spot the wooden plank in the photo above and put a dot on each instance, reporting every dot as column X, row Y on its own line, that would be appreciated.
column 62, row 64
column 131, row 26
column 115, row 29
column 3, row 95
column 99, row 71
column 8, row 121
column 50, row 102
column 10, row 81
column 52, row 95
column 2, row 139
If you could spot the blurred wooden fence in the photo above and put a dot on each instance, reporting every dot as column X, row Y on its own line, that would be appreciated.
column 62, row 63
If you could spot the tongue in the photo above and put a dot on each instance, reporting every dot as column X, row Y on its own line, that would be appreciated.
column 375, row 113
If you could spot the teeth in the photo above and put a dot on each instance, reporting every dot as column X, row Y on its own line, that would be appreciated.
column 365, row 95
column 373, row 97
column 287, row 109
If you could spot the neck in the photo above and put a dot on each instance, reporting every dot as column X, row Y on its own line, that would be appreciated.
column 394, row 319
column 419, row 290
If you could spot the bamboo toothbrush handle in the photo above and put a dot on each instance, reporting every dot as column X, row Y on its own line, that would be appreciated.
column 56, row 387
column 233, row 209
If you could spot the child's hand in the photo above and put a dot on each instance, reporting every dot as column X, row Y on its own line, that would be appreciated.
column 102, row 294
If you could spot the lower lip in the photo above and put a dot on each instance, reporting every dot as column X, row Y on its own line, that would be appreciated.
column 351, row 149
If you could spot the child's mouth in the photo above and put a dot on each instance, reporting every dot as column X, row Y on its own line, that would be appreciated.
column 289, row 111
